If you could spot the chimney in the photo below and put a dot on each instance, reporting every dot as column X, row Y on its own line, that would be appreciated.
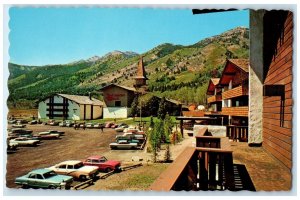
column 90, row 96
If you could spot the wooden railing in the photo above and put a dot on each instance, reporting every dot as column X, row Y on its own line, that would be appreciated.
column 235, row 92
column 237, row 133
column 215, row 98
column 241, row 111
column 200, row 168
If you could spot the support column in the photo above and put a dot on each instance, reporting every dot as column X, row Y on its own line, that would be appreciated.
column 256, row 77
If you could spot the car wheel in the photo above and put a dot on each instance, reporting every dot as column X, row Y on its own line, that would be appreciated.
column 52, row 187
column 82, row 177
column 25, row 186
column 108, row 170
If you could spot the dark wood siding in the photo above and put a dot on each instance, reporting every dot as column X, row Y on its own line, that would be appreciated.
column 277, row 109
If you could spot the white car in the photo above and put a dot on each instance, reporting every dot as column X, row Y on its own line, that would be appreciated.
column 76, row 169
column 23, row 141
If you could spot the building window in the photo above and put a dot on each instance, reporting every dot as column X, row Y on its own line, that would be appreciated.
column 117, row 103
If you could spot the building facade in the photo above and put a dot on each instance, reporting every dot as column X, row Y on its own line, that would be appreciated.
column 271, row 62
column 74, row 107
column 117, row 101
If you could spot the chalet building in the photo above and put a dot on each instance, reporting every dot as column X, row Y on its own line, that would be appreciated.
column 234, row 83
column 214, row 96
column 117, row 100
column 270, row 110
column 74, row 107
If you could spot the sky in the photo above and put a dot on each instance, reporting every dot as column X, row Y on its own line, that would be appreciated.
column 42, row 36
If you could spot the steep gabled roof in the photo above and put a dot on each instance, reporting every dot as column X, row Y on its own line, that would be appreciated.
column 232, row 67
column 213, row 82
column 120, row 86
column 82, row 99
column 243, row 64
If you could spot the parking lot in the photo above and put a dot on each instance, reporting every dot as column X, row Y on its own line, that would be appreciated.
column 74, row 145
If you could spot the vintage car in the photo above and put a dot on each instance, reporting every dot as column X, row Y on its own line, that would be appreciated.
column 103, row 164
column 53, row 123
column 22, row 121
column 76, row 169
column 51, row 136
column 123, row 144
column 121, row 127
column 62, row 124
column 56, row 132
column 12, row 121
column 44, row 178
column 89, row 125
column 19, row 131
column 24, row 141
column 18, row 125
column 69, row 123
column 98, row 125
column 109, row 124
column 33, row 122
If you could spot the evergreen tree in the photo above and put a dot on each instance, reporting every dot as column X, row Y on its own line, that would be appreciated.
column 168, row 125
column 134, row 107
column 162, row 110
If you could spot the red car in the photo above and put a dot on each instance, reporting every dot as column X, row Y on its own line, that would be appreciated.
column 103, row 164
column 109, row 125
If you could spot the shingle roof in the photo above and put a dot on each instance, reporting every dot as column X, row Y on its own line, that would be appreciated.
column 243, row 64
column 82, row 99
column 124, row 87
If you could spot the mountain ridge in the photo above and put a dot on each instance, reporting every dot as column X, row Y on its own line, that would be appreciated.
column 170, row 68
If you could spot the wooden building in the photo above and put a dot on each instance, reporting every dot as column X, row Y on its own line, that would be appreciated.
column 227, row 96
column 272, row 67
column 214, row 96
column 117, row 100
column 141, row 78
column 234, row 82
column 66, row 106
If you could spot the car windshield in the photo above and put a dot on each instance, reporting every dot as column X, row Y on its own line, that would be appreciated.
column 49, row 174
column 78, row 165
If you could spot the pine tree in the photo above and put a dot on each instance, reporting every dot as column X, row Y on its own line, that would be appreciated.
column 134, row 107
column 162, row 110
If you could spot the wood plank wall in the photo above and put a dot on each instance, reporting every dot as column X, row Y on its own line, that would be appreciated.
column 277, row 110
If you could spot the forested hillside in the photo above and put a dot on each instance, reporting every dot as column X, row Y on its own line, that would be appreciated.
column 174, row 71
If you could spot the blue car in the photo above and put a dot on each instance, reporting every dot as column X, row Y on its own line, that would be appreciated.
column 44, row 178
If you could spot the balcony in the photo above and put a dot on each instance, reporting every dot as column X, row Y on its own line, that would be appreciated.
column 241, row 111
column 235, row 92
column 215, row 98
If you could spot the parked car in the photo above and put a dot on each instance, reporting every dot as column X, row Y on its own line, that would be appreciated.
column 56, row 132
column 89, row 125
column 33, row 122
column 18, row 125
column 12, row 121
column 51, row 136
column 22, row 121
column 121, row 127
column 46, row 135
column 53, row 123
column 76, row 169
column 62, row 124
column 114, row 126
column 19, row 131
column 23, row 141
column 109, row 124
column 44, row 178
column 103, row 164
column 98, row 125
column 69, row 123
column 123, row 144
